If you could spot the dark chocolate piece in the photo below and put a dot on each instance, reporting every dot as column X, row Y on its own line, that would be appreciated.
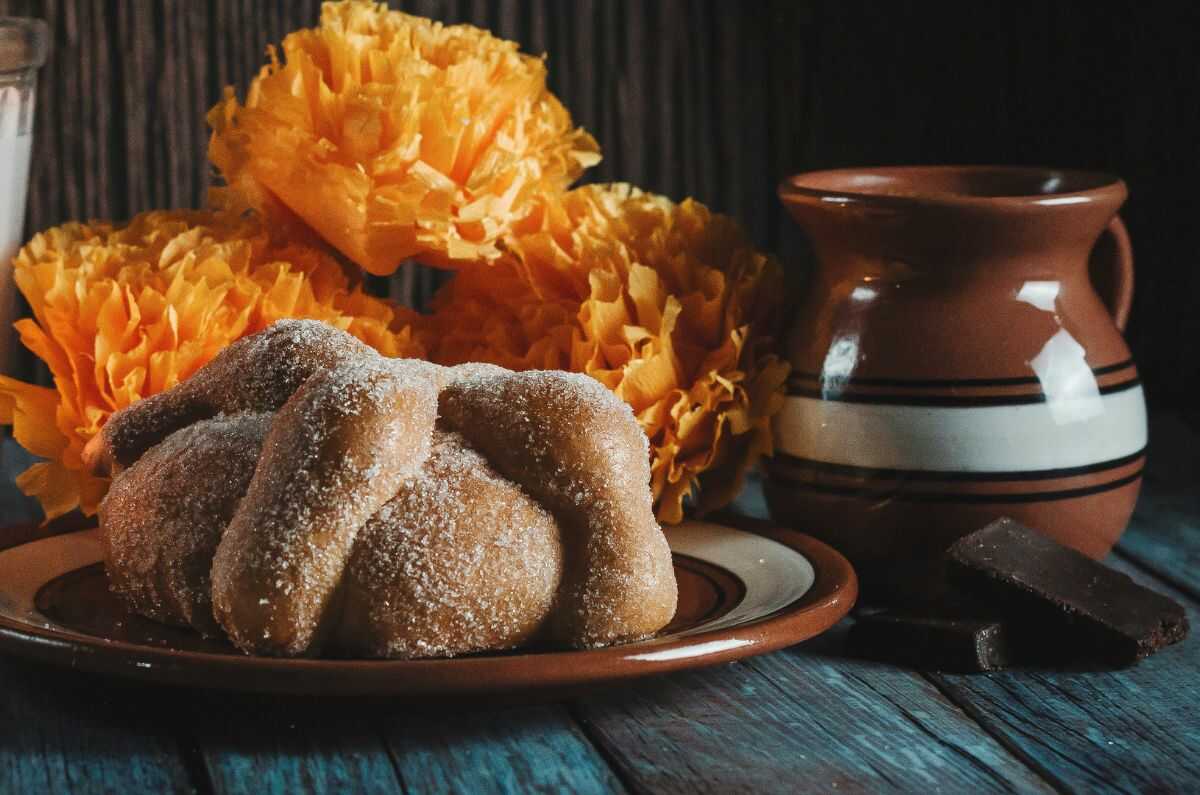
column 932, row 642
column 1073, row 599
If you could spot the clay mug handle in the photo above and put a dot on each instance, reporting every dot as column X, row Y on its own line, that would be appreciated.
column 1111, row 270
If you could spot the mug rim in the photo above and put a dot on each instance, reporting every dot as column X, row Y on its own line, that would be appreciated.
column 1082, row 186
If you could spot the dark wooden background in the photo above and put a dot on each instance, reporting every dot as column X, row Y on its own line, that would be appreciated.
column 716, row 100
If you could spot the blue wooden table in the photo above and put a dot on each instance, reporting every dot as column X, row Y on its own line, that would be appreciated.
column 807, row 719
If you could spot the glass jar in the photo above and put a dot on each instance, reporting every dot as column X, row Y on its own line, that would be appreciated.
column 23, row 48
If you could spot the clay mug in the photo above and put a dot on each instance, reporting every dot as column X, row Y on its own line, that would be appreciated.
column 958, row 357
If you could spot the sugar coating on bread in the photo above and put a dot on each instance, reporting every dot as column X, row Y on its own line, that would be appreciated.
column 360, row 522
column 578, row 449
column 165, row 515
column 337, row 450
column 461, row 560
column 257, row 374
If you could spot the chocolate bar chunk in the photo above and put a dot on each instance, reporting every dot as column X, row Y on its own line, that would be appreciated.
column 1066, row 595
column 932, row 642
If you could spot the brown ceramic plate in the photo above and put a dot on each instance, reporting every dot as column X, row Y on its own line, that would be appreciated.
column 740, row 594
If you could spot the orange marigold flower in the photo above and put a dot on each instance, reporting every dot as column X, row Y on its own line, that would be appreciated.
column 394, row 136
column 123, row 312
column 668, row 305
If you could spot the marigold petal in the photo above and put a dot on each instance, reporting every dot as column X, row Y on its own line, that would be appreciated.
column 55, row 486
column 30, row 410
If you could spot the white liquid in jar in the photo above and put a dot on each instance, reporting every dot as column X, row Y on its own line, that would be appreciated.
column 15, row 151
column 14, row 179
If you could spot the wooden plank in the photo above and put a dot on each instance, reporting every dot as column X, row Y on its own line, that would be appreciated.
column 65, row 732
column 252, row 744
column 1133, row 730
column 518, row 750
column 261, row 744
column 801, row 720
column 1164, row 536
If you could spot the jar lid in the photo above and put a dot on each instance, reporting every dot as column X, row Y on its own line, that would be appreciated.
column 24, row 43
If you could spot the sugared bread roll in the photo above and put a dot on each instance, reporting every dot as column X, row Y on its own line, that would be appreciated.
column 164, row 516
column 347, row 517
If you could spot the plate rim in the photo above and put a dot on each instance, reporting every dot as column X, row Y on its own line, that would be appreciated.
column 831, row 596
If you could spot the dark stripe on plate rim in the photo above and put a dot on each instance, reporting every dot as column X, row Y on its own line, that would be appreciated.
column 727, row 602
column 951, row 401
column 920, row 496
column 850, row 470
column 956, row 382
